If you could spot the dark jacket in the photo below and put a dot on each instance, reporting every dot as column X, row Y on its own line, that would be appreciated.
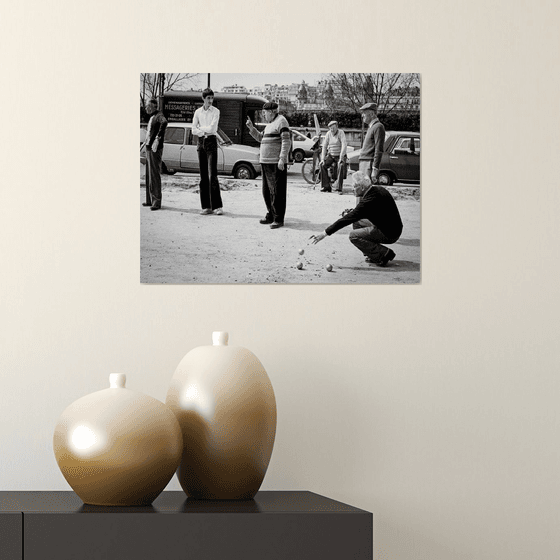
column 156, row 129
column 374, row 142
column 379, row 207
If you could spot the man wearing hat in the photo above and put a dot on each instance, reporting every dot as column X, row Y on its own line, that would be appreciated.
column 372, row 148
column 334, row 154
column 275, row 143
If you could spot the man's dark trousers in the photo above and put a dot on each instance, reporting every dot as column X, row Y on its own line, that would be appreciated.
column 153, row 177
column 368, row 239
column 274, row 186
column 338, row 171
column 210, row 196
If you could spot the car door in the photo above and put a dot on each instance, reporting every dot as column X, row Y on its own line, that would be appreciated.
column 226, row 160
column 404, row 158
column 172, row 143
column 189, row 155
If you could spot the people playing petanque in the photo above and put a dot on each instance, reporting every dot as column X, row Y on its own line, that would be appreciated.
column 375, row 220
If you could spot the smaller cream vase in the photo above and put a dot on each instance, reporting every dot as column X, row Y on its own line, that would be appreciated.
column 117, row 447
column 225, row 404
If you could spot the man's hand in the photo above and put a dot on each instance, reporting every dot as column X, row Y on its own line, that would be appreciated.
column 281, row 165
column 249, row 123
column 155, row 145
column 318, row 237
column 344, row 212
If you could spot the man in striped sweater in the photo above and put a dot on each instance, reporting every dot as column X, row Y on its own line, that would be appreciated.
column 275, row 143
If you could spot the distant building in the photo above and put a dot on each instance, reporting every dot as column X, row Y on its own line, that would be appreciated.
column 325, row 96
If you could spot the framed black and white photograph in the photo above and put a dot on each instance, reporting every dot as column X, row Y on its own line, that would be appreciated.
column 280, row 178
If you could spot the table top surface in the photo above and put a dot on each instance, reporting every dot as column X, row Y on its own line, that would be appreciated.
column 175, row 502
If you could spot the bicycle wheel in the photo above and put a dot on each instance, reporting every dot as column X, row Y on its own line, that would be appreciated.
column 312, row 177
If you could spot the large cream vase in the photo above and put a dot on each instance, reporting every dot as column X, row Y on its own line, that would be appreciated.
column 225, row 405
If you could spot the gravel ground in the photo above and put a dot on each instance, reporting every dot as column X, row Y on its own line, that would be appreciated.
column 179, row 246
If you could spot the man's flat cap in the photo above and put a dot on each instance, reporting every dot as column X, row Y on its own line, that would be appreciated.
column 270, row 106
column 332, row 122
column 370, row 106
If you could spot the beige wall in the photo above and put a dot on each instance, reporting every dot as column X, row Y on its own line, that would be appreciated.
column 436, row 407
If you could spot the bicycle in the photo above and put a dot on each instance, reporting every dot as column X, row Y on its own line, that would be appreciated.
column 311, row 171
column 311, row 168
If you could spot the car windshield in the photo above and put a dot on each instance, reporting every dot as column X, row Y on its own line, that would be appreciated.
column 224, row 137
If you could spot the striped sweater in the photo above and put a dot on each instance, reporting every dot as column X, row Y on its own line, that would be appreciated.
column 275, row 140
column 335, row 144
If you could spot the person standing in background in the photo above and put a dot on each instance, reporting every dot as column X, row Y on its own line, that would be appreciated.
column 374, row 141
column 205, row 126
column 153, row 144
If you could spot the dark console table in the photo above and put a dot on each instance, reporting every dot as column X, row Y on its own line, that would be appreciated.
column 273, row 526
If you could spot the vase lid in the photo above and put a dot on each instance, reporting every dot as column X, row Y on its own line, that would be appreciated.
column 117, row 380
column 220, row 338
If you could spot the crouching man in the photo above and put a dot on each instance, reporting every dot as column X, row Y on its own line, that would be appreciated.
column 375, row 220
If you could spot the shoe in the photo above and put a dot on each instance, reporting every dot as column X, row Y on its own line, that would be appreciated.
column 340, row 192
column 218, row 211
column 389, row 256
column 146, row 203
column 265, row 221
column 325, row 190
column 158, row 207
column 276, row 225
column 205, row 211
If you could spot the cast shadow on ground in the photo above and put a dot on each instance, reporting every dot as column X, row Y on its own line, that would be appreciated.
column 226, row 214
column 182, row 210
column 294, row 223
column 393, row 266
column 408, row 242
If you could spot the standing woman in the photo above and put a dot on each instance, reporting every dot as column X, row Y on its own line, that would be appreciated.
column 205, row 126
column 275, row 143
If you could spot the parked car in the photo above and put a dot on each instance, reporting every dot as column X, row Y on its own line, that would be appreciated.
column 400, row 162
column 301, row 146
column 179, row 153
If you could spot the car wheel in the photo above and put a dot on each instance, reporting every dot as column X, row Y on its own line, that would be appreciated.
column 243, row 171
column 167, row 171
column 298, row 156
column 385, row 179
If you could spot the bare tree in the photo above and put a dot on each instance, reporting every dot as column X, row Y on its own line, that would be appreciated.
column 152, row 85
column 391, row 92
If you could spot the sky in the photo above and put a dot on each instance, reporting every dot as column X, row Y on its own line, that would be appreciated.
column 218, row 81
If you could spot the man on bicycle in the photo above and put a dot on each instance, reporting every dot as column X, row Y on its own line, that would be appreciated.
column 333, row 155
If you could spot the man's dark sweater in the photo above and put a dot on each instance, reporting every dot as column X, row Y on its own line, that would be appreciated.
column 378, row 206
column 156, row 129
